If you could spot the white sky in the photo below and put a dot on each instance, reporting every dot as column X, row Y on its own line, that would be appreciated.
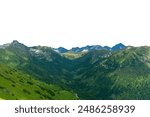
column 71, row 23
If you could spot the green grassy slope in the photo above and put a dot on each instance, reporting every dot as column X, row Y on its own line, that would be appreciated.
column 16, row 84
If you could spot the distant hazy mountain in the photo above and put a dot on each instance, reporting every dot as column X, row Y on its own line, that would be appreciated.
column 91, row 48
column 91, row 72
column 118, row 47
column 61, row 50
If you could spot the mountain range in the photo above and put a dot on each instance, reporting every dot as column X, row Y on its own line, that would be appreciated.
column 89, row 48
column 90, row 72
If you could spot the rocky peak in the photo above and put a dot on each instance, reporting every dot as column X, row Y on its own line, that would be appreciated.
column 16, row 44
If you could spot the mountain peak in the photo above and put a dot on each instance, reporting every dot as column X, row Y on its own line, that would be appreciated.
column 118, row 46
column 15, row 42
column 60, row 50
column 18, row 45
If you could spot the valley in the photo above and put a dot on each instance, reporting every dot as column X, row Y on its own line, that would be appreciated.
column 88, row 73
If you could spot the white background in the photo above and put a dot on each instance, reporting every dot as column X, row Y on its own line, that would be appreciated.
column 70, row 23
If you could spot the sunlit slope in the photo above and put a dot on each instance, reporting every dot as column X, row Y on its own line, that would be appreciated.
column 15, row 84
